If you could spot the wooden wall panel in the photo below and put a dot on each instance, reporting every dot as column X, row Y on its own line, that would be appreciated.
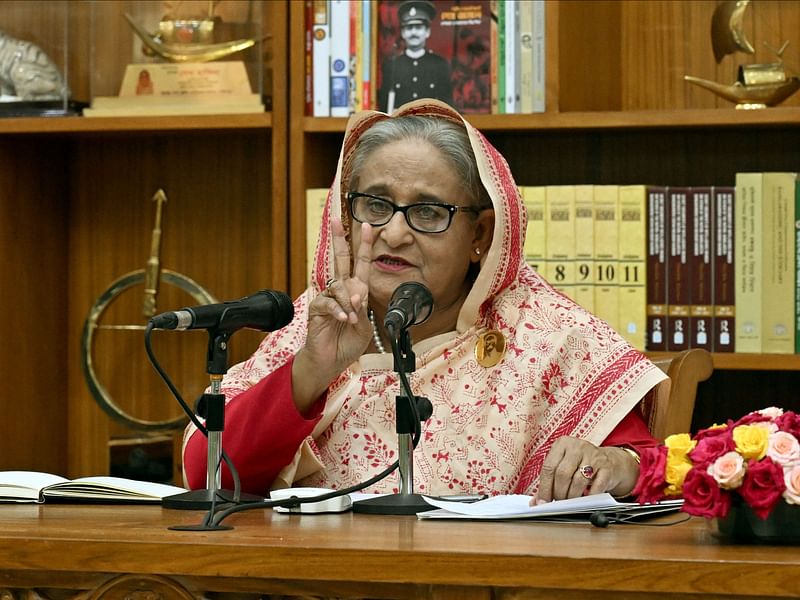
column 33, row 299
column 633, row 54
column 215, row 230
column 663, row 41
column 588, row 66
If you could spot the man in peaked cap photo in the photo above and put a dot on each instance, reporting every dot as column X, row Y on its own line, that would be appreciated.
column 417, row 72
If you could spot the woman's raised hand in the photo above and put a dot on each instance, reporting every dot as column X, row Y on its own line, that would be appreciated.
column 338, row 326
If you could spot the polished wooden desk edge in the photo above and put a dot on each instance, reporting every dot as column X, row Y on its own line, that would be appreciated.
column 349, row 550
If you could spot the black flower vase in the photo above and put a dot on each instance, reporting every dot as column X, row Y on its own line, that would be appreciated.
column 742, row 525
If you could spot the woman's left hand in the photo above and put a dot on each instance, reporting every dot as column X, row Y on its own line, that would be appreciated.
column 573, row 465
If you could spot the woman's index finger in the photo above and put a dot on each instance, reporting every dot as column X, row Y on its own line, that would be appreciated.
column 341, row 250
column 362, row 265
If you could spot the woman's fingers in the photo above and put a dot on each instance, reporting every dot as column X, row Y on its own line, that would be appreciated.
column 350, row 291
column 341, row 251
column 329, row 303
column 362, row 263
column 573, row 467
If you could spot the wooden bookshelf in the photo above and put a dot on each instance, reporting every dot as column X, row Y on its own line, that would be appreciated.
column 123, row 125
column 78, row 215
column 737, row 361
column 702, row 118
column 76, row 194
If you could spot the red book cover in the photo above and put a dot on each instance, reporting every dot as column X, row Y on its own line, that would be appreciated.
column 700, row 311
column 723, row 323
column 657, row 236
column 437, row 49
column 679, row 275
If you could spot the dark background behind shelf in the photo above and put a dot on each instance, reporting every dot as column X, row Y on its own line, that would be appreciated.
column 732, row 394
column 690, row 156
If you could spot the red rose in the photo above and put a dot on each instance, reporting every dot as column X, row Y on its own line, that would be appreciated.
column 703, row 497
column 711, row 448
column 763, row 486
column 650, row 485
column 790, row 423
column 750, row 418
column 712, row 431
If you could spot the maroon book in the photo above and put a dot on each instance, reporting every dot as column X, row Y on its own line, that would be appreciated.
column 679, row 275
column 723, row 322
column 455, row 64
column 700, row 258
column 656, row 279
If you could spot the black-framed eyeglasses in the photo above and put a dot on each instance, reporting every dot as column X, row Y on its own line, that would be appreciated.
column 425, row 217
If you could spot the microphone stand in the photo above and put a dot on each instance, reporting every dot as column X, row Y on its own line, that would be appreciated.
column 212, row 407
column 406, row 423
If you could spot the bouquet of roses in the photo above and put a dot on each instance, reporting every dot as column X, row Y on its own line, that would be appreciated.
column 756, row 458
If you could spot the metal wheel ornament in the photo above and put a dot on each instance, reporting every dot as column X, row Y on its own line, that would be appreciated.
column 92, row 324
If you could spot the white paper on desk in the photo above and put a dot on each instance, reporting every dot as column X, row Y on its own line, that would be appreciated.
column 517, row 506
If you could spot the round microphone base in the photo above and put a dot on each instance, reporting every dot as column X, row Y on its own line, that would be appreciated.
column 203, row 499
column 199, row 527
column 393, row 504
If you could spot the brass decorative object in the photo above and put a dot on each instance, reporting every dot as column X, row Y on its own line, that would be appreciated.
column 727, row 30
column 150, row 276
column 162, row 44
column 757, row 85
column 154, row 262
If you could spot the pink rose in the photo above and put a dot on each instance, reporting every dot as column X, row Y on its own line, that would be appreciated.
column 790, row 423
column 763, row 486
column 791, row 477
column 783, row 448
column 703, row 497
column 650, row 485
column 711, row 448
column 728, row 470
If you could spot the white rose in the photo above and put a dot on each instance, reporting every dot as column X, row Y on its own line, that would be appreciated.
column 773, row 412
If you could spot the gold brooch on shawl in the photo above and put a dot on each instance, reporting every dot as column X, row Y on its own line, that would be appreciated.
column 490, row 348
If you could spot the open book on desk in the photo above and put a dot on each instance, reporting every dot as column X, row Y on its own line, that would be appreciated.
column 517, row 506
column 33, row 486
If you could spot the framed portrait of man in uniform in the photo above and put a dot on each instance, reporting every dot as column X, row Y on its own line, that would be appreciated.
column 434, row 50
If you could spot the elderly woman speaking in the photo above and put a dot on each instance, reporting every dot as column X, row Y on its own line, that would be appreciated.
column 531, row 394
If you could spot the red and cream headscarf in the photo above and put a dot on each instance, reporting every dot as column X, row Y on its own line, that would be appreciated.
column 564, row 372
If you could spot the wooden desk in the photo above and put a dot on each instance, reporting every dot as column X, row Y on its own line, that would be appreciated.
column 127, row 552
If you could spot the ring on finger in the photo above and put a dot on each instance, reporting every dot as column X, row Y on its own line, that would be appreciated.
column 328, row 286
column 587, row 472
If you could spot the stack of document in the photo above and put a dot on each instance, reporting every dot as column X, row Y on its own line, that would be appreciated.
column 518, row 507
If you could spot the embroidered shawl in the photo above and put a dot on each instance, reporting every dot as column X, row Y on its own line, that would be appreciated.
column 565, row 372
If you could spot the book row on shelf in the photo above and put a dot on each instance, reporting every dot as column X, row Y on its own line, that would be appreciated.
column 669, row 267
column 484, row 56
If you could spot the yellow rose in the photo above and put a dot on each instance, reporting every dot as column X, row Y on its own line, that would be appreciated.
column 751, row 441
column 679, row 445
column 674, row 474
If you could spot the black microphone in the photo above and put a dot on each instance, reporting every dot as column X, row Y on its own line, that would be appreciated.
column 266, row 310
column 411, row 304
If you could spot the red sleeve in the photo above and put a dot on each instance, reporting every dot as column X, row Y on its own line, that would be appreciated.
column 263, row 430
column 631, row 433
